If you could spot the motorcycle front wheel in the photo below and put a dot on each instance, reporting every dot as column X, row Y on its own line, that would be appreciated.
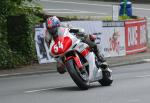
column 79, row 77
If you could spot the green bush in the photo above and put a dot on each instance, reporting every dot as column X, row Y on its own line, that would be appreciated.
column 20, row 38
column 17, row 21
column 5, row 56
column 121, row 18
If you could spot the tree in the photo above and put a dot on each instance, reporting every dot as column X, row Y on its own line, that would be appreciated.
column 8, row 57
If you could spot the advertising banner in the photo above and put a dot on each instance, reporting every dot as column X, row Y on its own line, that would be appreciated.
column 112, row 39
column 90, row 27
column 135, row 37
column 41, row 46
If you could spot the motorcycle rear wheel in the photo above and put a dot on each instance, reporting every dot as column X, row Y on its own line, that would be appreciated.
column 78, row 77
column 106, row 80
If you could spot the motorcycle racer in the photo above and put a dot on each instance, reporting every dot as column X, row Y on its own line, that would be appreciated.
column 52, row 25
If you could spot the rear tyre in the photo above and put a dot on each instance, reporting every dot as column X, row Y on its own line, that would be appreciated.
column 105, row 82
column 79, row 77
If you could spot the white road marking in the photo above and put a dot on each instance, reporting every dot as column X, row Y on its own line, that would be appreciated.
column 45, row 89
column 64, row 2
column 143, row 76
column 145, row 9
column 3, row 75
column 146, row 60
column 60, row 10
column 71, row 11
column 89, row 4
column 78, row 13
column 40, row 90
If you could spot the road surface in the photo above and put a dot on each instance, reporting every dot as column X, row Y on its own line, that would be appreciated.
column 131, row 85
column 90, row 8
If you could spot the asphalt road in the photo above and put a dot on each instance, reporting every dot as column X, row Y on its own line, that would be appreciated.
column 90, row 8
column 131, row 85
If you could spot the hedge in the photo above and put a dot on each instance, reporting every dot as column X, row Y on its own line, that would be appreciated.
column 17, row 21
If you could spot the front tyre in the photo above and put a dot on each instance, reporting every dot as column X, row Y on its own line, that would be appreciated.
column 79, row 77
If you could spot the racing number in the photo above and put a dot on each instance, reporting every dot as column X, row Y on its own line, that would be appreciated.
column 58, row 46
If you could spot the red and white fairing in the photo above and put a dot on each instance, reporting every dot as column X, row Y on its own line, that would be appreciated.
column 66, row 42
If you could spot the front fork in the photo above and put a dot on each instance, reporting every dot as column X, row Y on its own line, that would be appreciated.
column 76, row 59
column 94, row 72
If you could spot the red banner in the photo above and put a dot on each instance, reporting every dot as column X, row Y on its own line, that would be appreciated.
column 135, row 36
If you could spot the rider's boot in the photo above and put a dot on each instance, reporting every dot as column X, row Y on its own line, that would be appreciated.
column 103, row 64
column 61, row 68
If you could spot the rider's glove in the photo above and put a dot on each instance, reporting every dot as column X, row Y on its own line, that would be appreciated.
column 92, row 37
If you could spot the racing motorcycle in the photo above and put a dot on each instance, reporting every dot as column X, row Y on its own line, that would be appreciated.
column 78, row 59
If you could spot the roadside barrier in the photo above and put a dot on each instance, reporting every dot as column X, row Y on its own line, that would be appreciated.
column 114, row 38
column 135, row 35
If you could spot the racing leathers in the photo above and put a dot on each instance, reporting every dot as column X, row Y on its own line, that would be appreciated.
column 90, row 40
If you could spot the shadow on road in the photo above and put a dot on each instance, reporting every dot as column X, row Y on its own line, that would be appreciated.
column 70, row 88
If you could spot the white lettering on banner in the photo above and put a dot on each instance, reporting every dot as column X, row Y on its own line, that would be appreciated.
column 142, row 34
column 132, row 36
column 113, row 24
column 136, row 31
